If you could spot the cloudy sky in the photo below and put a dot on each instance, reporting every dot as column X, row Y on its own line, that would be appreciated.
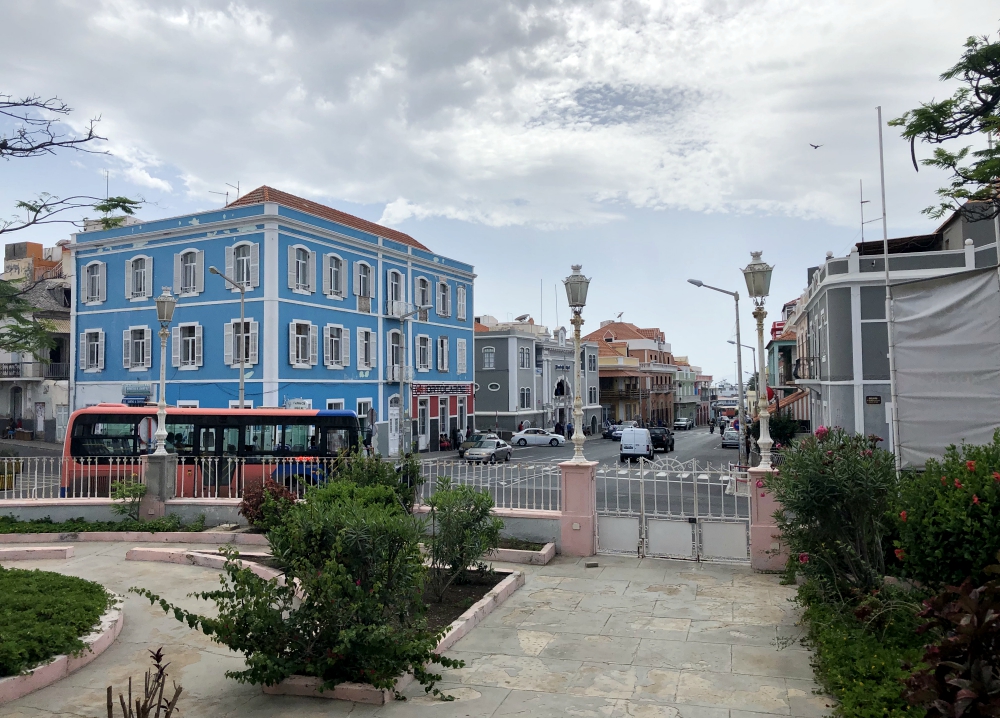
column 651, row 141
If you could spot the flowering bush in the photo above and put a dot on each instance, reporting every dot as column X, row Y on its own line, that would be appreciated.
column 263, row 503
column 835, row 490
column 948, row 517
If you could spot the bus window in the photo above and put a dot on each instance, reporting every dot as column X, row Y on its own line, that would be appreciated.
column 206, row 440
column 104, row 437
column 337, row 440
column 260, row 440
column 296, row 438
column 230, row 441
column 180, row 439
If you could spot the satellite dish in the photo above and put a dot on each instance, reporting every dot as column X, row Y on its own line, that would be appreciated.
column 521, row 318
column 248, row 375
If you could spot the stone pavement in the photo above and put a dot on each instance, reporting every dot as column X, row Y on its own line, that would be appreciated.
column 632, row 638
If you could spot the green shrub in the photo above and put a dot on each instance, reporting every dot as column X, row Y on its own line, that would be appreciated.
column 402, row 478
column 861, row 654
column 12, row 525
column 338, row 492
column 127, row 496
column 44, row 614
column 948, row 517
column 362, row 617
column 960, row 676
column 463, row 530
column 781, row 426
column 836, row 491
column 263, row 503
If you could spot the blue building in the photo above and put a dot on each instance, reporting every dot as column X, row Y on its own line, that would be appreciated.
column 339, row 313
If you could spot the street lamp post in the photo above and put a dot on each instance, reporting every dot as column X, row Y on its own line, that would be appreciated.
column 753, row 349
column 402, row 376
column 758, row 276
column 243, row 326
column 576, row 293
column 739, row 360
column 165, row 304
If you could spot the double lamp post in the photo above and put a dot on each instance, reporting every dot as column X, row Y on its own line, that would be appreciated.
column 758, row 278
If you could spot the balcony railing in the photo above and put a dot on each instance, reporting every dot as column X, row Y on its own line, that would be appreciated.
column 806, row 369
column 33, row 370
column 398, row 373
column 397, row 308
column 624, row 394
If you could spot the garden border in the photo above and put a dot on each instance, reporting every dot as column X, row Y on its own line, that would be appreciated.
column 534, row 558
column 28, row 553
column 193, row 537
column 61, row 666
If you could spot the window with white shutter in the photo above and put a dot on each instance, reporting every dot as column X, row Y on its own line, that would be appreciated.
column 443, row 299
column 93, row 280
column 303, row 344
column 423, row 353
column 137, row 347
column 442, row 363
column 366, row 349
column 186, row 350
column 189, row 273
column 243, row 264
column 460, row 302
column 138, row 277
column 92, row 350
column 333, row 346
column 461, row 359
column 301, row 269
column 333, row 276
column 237, row 340
column 423, row 292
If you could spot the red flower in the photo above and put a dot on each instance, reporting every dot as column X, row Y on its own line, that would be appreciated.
column 975, row 499
column 821, row 432
column 996, row 476
column 970, row 466
column 943, row 480
column 902, row 515
column 900, row 554
column 958, row 484
column 358, row 582
column 803, row 558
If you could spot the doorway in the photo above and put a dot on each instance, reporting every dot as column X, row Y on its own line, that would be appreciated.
column 423, row 424
column 16, row 403
column 394, row 425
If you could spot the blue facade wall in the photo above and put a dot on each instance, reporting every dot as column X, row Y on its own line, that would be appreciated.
column 275, row 378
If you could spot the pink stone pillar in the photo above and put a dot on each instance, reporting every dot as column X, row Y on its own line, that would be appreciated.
column 578, row 523
column 767, row 551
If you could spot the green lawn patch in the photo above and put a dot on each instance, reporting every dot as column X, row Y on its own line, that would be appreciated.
column 13, row 525
column 860, row 662
column 44, row 614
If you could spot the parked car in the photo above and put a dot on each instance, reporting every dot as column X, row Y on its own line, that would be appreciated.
column 491, row 450
column 473, row 440
column 537, row 437
column 636, row 442
column 684, row 423
column 617, row 433
column 609, row 430
column 662, row 437
column 731, row 439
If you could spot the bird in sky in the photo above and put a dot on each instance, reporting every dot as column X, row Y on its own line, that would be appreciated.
column 815, row 147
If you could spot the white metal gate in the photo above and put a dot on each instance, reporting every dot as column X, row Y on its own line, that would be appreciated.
column 672, row 509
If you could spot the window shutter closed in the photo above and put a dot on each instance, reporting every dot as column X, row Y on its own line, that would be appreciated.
column 147, row 339
column 228, row 344
column 128, row 279
column 371, row 284
column 198, row 360
column 313, row 345
column 326, row 274
column 345, row 347
column 357, row 279
column 102, row 288
column 83, row 350
column 462, row 363
column 446, row 353
column 175, row 346
column 147, row 290
column 361, row 349
column 230, row 264
column 100, row 350
column 373, row 342
column 253, row 343
column 291, row 267
column 291, row 343
column 199, row 272
column 312, row 271
column 177, row 273
column 127, row 349
column 84, row 297
column 327, row 348
column 254, row 265
column 447, row 302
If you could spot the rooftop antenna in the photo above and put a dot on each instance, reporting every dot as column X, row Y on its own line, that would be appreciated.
column 555, row 291
column 863, row 203
column 107, row 184
column 235, row 187
column 226, row 193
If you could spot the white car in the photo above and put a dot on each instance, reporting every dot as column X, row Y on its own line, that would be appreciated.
column 616, row 435
column 537, row 437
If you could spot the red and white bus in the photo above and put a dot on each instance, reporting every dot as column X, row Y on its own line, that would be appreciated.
column 219, row 451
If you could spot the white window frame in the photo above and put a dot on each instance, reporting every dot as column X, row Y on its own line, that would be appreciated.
column 423, row 292
column 178, row 341
column 394, row 291
column 101, row 280
column 235, row 403
column 461, row 356
column 443, row 351
column 390, row 360
column 423, row 345
column 198, row 269
column 524, row 397
column 252, row 262
column 592, row 396
column 341, row 358
column 367, row 340
column 329, row 261
column 460, row 292
column 191, row 404
column 490, row 352
column 132, row 293
column 442, row 297
column 231, row 342
column 147, row 346
column 311, row 338
column 591, row 362
column 99, row 345
column 362, row 417
column 334, row 404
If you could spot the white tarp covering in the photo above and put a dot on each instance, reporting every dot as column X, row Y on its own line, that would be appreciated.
column 946, row 332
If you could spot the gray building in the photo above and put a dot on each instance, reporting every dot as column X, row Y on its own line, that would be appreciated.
column 525, row 374
column 843, row 360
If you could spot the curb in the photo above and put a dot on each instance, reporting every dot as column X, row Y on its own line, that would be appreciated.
column 193, row 537
column 535, row 558
column 198, row 558
column 14, row 687
column 35, row 552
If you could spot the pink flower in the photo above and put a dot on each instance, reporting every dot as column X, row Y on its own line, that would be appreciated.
column 900, row 554
column 762, row 494
column 358, row 582
column 760, row 484
column 958, row 484
column 868, row 452
column 944, row 480
column 821, row 432
column 970, row 466
column 803, row 558
column 975, row 499
column 902, row 516
column 996, row 476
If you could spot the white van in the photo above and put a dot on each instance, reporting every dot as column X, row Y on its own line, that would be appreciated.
column 636, row 442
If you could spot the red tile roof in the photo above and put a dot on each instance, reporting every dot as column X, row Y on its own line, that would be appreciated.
column 269, row 194
column 480, row 328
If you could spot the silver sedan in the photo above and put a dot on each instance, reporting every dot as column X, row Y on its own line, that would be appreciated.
column 491, row 450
